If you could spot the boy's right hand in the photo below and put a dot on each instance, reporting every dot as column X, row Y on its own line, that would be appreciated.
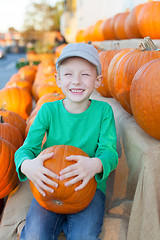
column 38, row 174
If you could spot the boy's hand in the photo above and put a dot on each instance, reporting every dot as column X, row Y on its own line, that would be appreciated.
column 84, row 169
column 38, row 174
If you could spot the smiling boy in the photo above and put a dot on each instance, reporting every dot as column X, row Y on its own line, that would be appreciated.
column 78, row 121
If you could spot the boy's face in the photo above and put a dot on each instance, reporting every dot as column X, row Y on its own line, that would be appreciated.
column 77, row 78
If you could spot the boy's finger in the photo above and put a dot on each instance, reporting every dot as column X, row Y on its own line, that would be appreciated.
column 40, row 190
column 46, row 156
column 68, row 175
column 49, row 173
column 49, row 181
column 73, row 157
column 72, row 181
column 68, row 169
column 81, row 186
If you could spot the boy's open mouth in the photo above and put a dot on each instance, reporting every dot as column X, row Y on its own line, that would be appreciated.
column 77, row 90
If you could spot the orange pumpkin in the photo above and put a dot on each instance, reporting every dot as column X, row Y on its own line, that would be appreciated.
column 79, row 36
column 112, row 70
column 145, row 97
column 64, row 199
column 119, row 26
column 87, row 34
column 28, row 72
column 131, row 23
column 8, row 177
column 59, row 49
column 105, row 59
column 127, row 67
column 19, row 83
column 97, row 33
column 17, row 100
column 108, row 29
column 14, row 119
column 10, row 133
column 149, row 20
column 50, row 97
column 44, row 88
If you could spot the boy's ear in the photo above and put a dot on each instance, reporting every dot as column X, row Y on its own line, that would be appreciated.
column 98, row 81
column 57, row 78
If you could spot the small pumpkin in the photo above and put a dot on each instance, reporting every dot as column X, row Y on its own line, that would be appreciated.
column 88, row 36
column 112, row 70
column 64, row 199
column 10, row 133
column 119, row 25
column 97, row 33
column 105, row 59
column 108, row 29
column 44, row 88
column 17, row 100
column 131, row 23
column 50, row 97
column 79, row 36
column 28, row 72
column 14, row 119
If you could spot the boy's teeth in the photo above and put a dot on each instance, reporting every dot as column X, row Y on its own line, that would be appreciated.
column 74, row 90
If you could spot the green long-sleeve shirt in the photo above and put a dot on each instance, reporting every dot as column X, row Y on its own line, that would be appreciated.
column 92, row 130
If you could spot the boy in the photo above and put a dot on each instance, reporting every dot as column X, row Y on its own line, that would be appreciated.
column 79, row 121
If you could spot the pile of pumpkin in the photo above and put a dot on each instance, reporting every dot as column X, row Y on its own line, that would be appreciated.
column 142, row 21
column 132, row 77
column 20, row 100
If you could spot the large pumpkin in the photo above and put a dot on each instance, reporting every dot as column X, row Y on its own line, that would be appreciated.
column 64, row 199
column 8, row 177
column 145, row 98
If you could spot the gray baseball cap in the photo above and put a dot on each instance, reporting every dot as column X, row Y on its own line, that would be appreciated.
column 83, row 50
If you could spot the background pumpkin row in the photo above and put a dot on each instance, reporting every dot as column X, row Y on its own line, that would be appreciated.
column 142, row 21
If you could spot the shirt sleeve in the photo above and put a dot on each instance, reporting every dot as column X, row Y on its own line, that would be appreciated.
column 35, row 135
column 106, row 150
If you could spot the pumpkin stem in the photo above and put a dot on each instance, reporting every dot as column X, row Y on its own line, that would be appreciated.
column 150, row 43
column 4, row 106
column 30, row 63
column 1, row 119
column 147, row 45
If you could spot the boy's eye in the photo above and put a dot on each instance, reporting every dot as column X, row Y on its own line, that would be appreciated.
column 67, row 74
column 85, row 74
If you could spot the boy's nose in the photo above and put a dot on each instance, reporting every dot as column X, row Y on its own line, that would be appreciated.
column 76, row 80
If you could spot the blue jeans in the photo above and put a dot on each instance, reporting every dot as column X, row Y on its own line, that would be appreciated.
column 42, row 224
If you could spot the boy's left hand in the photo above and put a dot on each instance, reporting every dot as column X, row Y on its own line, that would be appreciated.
column 84, row 169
